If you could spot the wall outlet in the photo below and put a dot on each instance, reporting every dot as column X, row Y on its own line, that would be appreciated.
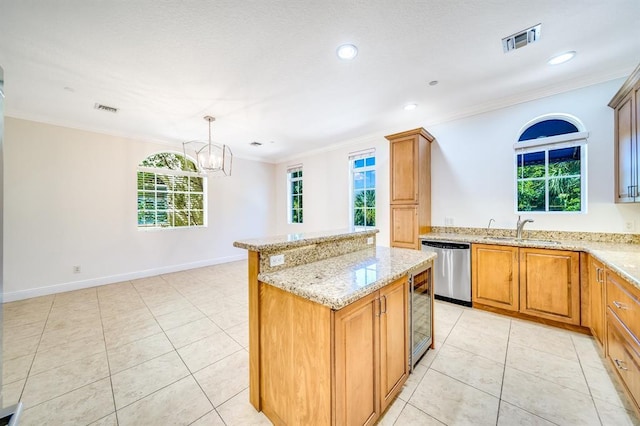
column 448, row 221
column 276, row 260
column 630, row 226
column 370, row 240
column 76, row 269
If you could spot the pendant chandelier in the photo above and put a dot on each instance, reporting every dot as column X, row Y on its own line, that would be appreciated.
column 211, row 158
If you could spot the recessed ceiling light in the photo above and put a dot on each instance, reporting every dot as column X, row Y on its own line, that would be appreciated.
column 561, row 58
column 433, row 82
column 410, row 107
column 347, row 52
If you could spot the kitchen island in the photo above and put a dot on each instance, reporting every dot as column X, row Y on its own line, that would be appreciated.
column 328, row 325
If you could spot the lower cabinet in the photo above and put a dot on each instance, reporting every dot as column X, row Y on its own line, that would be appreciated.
column 325, row 367
column 596, row 304
column 542, row 283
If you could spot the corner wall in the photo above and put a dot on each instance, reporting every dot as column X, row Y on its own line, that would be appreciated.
column 70, row 199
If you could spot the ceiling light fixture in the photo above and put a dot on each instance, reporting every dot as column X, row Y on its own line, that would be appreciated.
column 410, row 107
column 347, row 52
column 562, row 58
column 211, row 158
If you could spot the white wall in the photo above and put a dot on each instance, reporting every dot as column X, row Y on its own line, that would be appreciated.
column 473, row 172
column 326, row 178
column 70, row 199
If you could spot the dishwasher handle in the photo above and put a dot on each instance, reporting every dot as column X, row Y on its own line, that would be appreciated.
column 448, row 245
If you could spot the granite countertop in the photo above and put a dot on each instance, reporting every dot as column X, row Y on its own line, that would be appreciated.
column 620, row 257
column 300, row 239
column 341, row 280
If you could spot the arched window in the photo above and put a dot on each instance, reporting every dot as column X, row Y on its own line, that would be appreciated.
column 551, row 165
column 171, row 192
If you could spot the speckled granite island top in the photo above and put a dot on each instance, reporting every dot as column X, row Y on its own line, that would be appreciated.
column 341, row 280
column 300, row 239
column 620, row 257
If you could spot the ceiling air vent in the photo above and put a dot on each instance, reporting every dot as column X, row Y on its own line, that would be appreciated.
column 521, row 38
column 254, row 143
column 105, row 108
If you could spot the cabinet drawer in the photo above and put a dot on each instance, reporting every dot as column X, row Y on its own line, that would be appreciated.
column 623, row 354
column 622, row 303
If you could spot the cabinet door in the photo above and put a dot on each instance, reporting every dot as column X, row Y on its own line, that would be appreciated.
column 596, row 293
column 394, row 339
column 494, row 276
column 404, row 227
column 550, row 284
column 626, row 151
column 357, row 363
column 404, row 170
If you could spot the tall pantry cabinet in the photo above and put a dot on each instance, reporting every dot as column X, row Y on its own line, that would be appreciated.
column 410, row 186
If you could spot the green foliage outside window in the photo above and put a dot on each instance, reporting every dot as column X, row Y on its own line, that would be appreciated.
column 170, row 199
column 295, row 194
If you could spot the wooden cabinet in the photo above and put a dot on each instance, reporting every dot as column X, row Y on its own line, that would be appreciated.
column 623, row 330
column 596, row 304
column 494, row 278
column 626, row 105
column 325, row 367
column 410, row 186
column 541, row 283
column 550, row 284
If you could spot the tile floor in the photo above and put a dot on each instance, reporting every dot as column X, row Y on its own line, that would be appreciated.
column 173, row 350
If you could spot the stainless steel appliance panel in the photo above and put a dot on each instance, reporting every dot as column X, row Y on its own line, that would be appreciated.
column 451, row 270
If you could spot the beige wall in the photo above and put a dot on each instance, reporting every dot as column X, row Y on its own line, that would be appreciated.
column 70, row 199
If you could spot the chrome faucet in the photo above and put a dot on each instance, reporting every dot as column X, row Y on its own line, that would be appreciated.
column 489, row 226
column 520, row 225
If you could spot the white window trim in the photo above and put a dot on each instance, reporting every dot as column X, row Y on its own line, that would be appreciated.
column 353, row 156
column 291, row 169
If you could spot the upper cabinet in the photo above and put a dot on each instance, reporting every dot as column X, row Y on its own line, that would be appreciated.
column 410, row 186
column 626, row 104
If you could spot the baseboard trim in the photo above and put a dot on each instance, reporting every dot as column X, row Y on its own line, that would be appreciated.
column 111, row 279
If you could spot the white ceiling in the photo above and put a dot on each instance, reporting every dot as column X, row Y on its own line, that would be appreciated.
column 268, row 71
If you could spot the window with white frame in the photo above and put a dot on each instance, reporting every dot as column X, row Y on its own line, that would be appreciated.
column 294, row 178
column 171, row 192
column 363, row 188
column 551, row 165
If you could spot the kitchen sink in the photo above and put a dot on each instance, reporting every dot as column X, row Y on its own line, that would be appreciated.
column 500, row 238
column 522, row 240
column 550, row 242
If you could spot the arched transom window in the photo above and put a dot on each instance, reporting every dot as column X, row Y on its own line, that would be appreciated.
column 171, row 192
column 551, row 165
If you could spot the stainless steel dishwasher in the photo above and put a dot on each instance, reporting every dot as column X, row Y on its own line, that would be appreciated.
column 451, row 271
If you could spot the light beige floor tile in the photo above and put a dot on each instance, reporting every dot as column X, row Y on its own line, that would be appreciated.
column 614, row 415
column 479, row 343
column 204, row 352
column 130, row 319
column 548, row 400
column 10, row 334
column 485, row 322
column 225, row 378
column 603, row 387
column 110, row 420
column 58, row 381
column 443, row 329
column 16, row 368
column 11, row 392
column 212, row 418
column 547, row 366
column 191, row 332
column 240, row 333
column 129, row 355
column 543, row 338
column 81, row 406
column 589, row 353
column 430, row 355
column 179, row 317
column 239, row 412
column 412, row 382
column 511, row 415
column 66, row 353
column 178, row 404
column 412, row 416
column 71, row 319
column 169, row 305
column 231, row 317
column 469, row 368
column 16, row 348
column 115, row 338
column 137, row 382
column 454, row 403
column 447, row 312
column 82, row 330
column 23, row 319
column 392, row 412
